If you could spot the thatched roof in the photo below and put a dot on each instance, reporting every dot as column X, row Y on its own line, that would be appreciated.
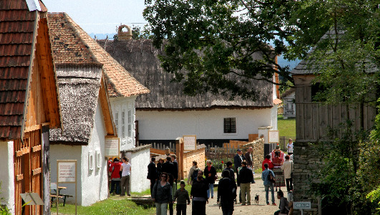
column 80, row 75
column 139, row 57
column 120, row 82
column 78, row 92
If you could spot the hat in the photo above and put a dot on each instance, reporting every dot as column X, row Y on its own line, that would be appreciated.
column 277, row 147
column 239, row 150
column 182, row 182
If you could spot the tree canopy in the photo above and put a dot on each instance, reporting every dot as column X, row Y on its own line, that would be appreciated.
column 211, row 45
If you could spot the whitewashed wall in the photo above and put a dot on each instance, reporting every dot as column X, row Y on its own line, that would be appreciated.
column 7, row 175
column 164, row 125
column 94, row 176
column 66, row 152
column 124, row 105
column 92, row 183
column 139, row 158
column 274, row 117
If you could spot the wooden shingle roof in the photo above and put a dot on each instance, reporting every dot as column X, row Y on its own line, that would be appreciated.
column 140, row 58
column 120, row 82
column 17, row 26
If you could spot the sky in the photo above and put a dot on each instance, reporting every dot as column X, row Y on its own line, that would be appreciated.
column 100, row 16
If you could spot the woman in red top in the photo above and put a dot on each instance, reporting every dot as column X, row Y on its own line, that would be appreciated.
column 268, row 161
column 115, row 176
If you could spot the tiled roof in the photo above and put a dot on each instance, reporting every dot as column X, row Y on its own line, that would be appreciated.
column 120, row 82
column 16, row 38
column 67, row 46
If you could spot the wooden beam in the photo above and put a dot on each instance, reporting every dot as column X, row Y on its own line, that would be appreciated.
column 32, row 128
column 19, row 177
column 37, row 171
column 105, row 105
column 37, row 148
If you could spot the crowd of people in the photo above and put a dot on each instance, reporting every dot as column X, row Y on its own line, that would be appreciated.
column 163, row 178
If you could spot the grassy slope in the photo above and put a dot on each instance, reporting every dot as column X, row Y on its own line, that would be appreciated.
column 287, row 127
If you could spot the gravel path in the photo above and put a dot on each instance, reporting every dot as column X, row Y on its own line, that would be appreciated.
column 254, row 209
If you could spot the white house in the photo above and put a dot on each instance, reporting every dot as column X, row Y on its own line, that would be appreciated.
column 288, row 99
column 86, row 112
column 167, row 113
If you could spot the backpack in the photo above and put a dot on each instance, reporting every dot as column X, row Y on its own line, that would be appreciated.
column 271, row 178
column 195, row 174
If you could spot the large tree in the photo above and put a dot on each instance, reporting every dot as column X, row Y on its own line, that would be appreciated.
column 210, row 45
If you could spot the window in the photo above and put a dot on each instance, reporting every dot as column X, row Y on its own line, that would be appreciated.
column 117, row 121
column 229, row 125
column 129, row 123
column 123, row 124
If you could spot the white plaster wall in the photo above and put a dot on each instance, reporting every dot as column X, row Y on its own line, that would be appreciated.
column 67, row 152
column 7, row 175
column 274, row 117
column 164, row 125
column 94, row 177
column 120, row 105
column 139, row 166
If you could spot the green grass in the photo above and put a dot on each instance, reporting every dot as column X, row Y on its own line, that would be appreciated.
column 286, row 127
column 111, row 206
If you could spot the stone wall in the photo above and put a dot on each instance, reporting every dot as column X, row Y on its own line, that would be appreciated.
column 258, row 152
column 198, row 155
column 306, row 162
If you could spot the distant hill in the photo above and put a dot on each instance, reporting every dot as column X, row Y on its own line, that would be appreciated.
column 102, row 36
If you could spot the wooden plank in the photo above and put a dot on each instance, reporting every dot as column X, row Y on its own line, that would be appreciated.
column 22, row 151
column 32, row 128
column 105, row 105
column 299, row 122
column 308, row 122
column 37, row 171
column 36, row 148
column 315, row 121
column 19, row 177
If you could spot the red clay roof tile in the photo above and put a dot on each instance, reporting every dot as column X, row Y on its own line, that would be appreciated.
column 16, row 37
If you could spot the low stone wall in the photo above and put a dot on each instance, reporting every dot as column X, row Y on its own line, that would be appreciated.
column 258, row 152
column 198, row 155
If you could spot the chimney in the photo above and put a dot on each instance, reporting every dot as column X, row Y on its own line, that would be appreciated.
column 121, row 35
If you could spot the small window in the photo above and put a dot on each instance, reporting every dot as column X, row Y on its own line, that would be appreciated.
column 129, row 123
column 123, row 124
column 229, row 125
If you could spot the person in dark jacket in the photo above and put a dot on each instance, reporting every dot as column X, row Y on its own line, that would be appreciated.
column 169, row 168
column 162, row 194
column 152, row 174
column 237, row 161
column 199, row 195
column 230, row 170
column 226, row 192
column 245, row 178
column 210, row 173
column 159, row 167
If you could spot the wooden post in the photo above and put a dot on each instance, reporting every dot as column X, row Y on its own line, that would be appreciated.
column 179, row 152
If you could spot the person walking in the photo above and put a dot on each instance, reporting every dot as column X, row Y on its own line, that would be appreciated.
column 226, row 192
column 199, row 195
column 152, row 174
column 125, row 177
column 162, row 194
column 267, row 183
column 230, row 170
column 290, row 146
column 115, row 176
column 192, row 173
column 287, row 167
column 246, row 178
column 237, row 162
column 268, row 161
column 210, row 173
column 169, row 168
column 182, row 196
column 159, row 167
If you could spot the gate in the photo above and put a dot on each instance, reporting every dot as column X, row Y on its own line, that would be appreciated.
column 27, row 165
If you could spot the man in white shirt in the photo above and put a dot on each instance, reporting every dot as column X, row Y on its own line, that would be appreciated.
column 125, row 177
column 290, row 147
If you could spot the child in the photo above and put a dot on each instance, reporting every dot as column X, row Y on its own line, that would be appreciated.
column 182, row 196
